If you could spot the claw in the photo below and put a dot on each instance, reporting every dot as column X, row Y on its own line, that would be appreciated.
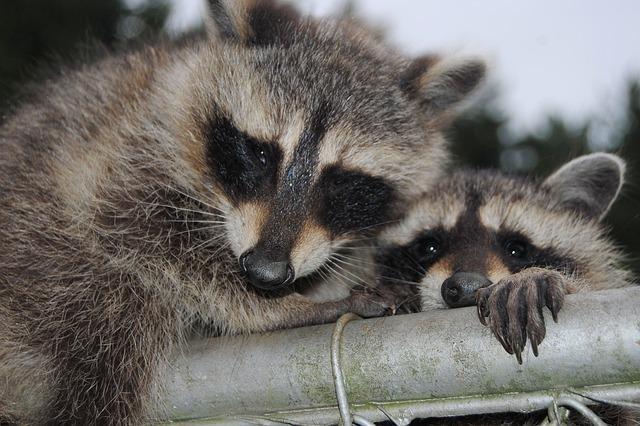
column 534, row 347
column 519, row 357
column 504, row 344
column 554, row 297
column 481, row 304
column 481, row 316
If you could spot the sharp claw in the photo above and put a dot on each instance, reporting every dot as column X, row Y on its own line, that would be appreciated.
column 505, row 345
column 553, row 308
column 481, row 317
column 534, row 346
column 517, row 350
column 481, row 306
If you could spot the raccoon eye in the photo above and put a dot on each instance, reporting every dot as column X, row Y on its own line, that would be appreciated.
column 432, row 247
column 516, row 249
column 260, row 153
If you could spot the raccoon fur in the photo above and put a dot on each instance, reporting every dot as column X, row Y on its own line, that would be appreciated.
column 511, row 246
column 206, row 183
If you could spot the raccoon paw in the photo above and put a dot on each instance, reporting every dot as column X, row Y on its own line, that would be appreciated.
column 368, row 303
column 513, row 307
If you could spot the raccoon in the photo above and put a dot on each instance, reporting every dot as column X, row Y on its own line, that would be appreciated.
column 509, row 245
column 207, row 184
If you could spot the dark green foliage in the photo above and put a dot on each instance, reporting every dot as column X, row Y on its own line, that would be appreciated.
column 35, row 32
column 476, row 139
column 625, row 216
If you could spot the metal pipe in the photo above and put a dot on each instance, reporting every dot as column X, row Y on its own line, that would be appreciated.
column 431, row 364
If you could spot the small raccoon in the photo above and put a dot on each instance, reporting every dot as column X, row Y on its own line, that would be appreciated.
column 509, row 245
column 200, row 184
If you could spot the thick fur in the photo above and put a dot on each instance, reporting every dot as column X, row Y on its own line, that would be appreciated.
column 129, row 187
column 534, row 241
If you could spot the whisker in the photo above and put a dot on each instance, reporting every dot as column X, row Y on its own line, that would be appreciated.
column 376, row 225
column 193, row 198
column 203, row 244
column 330, row 267
column 356, row 260
column 220, row 222
column 188, row 231
column 338, row 270
column 343, row 269
column 218, row 251
column 400, row 281
column 326, row 277
column 181, row 209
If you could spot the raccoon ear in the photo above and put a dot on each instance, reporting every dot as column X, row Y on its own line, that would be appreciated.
column 440, row 85
column 253, row 22
column 588, row 184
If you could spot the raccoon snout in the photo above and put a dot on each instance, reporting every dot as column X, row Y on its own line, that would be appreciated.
column 459, row 290
column 266, row 273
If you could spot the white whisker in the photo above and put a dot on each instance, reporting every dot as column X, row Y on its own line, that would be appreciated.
column 193, row 198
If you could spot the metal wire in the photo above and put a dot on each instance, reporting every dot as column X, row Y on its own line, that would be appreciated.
column 556, row 416
column 338, row 377
column 361, row 421
column 405, row 419
column 627, row 404
column 582, row 409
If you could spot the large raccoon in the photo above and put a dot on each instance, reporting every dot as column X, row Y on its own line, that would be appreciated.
column 200, row 184
column 509, row 245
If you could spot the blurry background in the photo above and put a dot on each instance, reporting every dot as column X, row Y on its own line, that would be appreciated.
column 565, row 75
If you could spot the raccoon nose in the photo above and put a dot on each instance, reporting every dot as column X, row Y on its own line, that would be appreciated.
column 264, row 272
column 459, row 290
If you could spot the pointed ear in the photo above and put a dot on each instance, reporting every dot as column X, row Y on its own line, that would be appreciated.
column 441, row 85
column 588, row 184
column 256, row 22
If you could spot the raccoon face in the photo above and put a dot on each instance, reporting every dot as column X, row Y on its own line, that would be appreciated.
column 311, row 134
column 479, row 227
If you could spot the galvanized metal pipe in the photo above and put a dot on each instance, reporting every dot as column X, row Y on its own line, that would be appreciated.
column 428, row 364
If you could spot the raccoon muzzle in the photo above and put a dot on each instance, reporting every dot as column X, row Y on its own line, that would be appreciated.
column 266, row 273
column 459, row 290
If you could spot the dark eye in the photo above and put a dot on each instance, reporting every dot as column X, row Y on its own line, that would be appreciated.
column 517, row 249
column 432, row 247
column 260, row 153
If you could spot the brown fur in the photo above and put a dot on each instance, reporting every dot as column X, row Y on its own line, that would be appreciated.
column 117, row 239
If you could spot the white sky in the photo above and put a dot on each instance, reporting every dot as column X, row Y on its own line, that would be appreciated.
column 571, row 57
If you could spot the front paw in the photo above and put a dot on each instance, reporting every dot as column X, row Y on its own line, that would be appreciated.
column 513, row 307
column 368, row 302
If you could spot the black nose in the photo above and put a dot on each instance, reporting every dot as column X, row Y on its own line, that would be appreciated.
column 266, row 273
column 460, row 289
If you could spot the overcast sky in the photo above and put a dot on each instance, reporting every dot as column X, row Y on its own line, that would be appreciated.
column 571, row 57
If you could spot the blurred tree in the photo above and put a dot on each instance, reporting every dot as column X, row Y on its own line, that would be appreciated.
column 625, row 215
column 478, row 140
column 475, row 137
column 33, row 32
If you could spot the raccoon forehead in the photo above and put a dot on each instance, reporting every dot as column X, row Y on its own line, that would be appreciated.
column 207, row 84
column 411, row 161
column 428, row 213
column 546, row 228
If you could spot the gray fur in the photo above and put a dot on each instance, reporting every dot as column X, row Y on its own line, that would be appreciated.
column 589, row 184
column 116, row 239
